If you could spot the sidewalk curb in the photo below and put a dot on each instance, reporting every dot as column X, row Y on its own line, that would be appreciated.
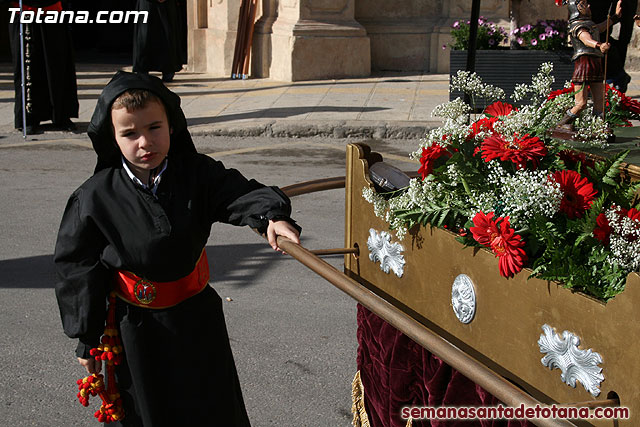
column 327, row 129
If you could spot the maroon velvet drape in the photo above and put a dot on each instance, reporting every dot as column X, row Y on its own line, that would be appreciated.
column 396, row 372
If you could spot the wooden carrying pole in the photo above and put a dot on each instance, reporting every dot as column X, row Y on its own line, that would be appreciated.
column 244, row 38
column 249, row 39
column 238, row 53
column 606, row 59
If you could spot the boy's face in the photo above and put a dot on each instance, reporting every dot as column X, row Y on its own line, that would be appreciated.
column 143, row 137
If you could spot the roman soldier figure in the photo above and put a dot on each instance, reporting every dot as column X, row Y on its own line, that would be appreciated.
column 588, row 51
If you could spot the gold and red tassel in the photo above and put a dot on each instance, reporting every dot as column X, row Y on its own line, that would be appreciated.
column 110, row 352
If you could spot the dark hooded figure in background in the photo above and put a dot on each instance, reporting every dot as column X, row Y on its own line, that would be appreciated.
column 158, row 44
column 51, row 92
column 617, row 55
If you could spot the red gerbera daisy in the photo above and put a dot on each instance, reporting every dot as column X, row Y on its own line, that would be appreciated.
column 429, row 157
column 484, row 124
column 518, row 151
column 627, row 103
column 501, row 238
column 634, row 214
column 603, row 229
column 572, row 158
column 578, row 193
column 559, row 92
column 498, row 109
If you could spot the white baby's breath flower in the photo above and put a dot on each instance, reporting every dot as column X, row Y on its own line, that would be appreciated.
column 520, row 196
column 518, row 122
column 451, row 130
column 451, row 110
column 380, row 204
column 624, row 240
column 539, row 88
column 472, row 85
column 452, row 173
column 591, row 130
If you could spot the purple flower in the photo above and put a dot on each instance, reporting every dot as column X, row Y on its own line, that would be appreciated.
column 542, row 37
column 492, row 42
column 534, row 42
column 480, row 21
column 528, row 27
column 444, row 47
column 456, row 24
column 516, row 31
column 520, row 40
column 555, row 32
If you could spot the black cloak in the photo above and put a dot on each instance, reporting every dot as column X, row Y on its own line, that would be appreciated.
column 178, row 367
column 157, row 45
column 50, row 73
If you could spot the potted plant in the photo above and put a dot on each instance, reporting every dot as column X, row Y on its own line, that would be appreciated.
column 499, row 65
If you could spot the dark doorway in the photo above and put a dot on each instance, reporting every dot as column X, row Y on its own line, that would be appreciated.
column 102, row 42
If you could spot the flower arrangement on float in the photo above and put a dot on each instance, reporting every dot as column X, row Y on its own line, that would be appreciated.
column 502, row 183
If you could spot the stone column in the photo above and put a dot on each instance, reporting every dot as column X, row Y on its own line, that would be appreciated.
column 310, row 39
column 262, row 49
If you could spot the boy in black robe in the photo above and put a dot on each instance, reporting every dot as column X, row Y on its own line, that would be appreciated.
column 147, row 212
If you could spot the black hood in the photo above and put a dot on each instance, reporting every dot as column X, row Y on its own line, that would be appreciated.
column 100, row 130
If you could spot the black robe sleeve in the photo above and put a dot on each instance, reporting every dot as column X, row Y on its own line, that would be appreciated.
column 239, row 201
column 83, row 281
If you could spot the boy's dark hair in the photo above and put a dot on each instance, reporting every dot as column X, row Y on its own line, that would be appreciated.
column 135, row 99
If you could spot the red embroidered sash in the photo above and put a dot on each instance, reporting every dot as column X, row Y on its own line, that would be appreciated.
column 145, row 293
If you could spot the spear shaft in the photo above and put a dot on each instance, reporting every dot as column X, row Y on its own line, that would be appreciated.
column 606, row 59
column 24, row 107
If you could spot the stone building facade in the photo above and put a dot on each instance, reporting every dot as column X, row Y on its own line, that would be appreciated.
column 320, row 39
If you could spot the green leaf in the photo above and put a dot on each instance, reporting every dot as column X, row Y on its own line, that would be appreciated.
column 612, row 175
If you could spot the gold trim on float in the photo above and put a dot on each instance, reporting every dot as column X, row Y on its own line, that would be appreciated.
column 360, row 418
